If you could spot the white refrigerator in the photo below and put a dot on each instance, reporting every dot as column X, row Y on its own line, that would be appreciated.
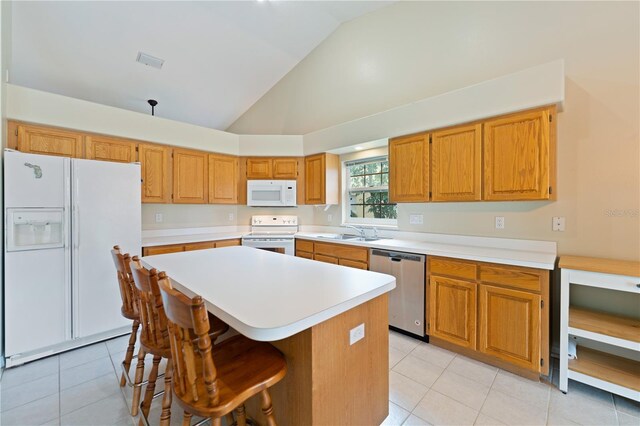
column 62, row 217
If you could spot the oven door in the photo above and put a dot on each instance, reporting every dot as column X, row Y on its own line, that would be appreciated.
column 276, row 245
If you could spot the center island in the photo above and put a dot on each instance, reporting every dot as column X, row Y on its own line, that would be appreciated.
column 307, row 309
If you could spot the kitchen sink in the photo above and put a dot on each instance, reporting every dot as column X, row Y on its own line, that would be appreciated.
column 341, row 237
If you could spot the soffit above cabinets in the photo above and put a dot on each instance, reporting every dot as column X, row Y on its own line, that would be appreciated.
column 220, row 57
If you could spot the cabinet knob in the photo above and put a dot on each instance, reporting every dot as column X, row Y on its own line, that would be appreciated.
column 638, row 285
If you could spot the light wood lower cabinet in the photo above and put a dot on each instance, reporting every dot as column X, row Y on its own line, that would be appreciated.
column 452, row 316
column 175, row 248
column 338, row 254
column 510, row 325
column 498, row 313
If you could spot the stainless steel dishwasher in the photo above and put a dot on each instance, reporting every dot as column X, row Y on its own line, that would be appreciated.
column 406, row 301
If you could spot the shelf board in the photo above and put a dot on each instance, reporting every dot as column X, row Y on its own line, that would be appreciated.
column 610, row 325
column 606, row 266
column 610, row 368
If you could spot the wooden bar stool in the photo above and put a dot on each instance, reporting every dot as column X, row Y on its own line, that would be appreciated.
column 154, row 339
column 242, row 368
column 129, row 309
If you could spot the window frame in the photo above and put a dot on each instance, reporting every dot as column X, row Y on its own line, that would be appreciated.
column 346, row 206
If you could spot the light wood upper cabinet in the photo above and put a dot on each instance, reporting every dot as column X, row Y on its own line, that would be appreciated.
column 409, row 168
column 456, row 164
column 322, row 179
column 223, row 179
column 519, row 156
column 190, row 176
column 452, row 310
column 272, row 168
column 155, row 171
column 259, row 168
column 285, row 168
column 49, row 141
column 510, row 326
column 110, row 149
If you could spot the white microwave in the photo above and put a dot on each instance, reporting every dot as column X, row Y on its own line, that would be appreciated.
column 271, row 193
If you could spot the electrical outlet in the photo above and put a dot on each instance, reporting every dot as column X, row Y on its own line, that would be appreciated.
column 231, row 217
column 416, row 219
column 356, row 334
column 499, row 222
column 329, row 217
column 558, row 223
column 158, row 217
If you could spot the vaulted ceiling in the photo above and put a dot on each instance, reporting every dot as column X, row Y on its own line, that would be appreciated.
column 220, row 56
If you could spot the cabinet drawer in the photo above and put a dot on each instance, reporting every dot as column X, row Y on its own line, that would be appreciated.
column 304, row 254
column 512, row 276
column 228, row 243
column 360, row 254
column 353, row 264
column 326, row 259
column 304, row 245
column 199, row 246
column 453, row 268
column 151, row 251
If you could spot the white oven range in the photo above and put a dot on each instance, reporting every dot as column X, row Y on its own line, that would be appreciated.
column 272, row 233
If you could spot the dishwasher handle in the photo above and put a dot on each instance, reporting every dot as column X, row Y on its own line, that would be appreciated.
column 396, row 256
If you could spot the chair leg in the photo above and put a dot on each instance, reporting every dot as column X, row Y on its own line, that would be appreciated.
column 137, row 388
column 186, row 419
column 165, row 417
column 151, row 386
column 230, row 419
column 129, row 355
column 241, row 416
column 267, row 408
column 216, row 422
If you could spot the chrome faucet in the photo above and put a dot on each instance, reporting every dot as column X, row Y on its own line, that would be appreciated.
column 360, row 230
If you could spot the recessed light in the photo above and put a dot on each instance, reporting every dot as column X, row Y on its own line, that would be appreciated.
column 358, row 148
column 152, row 61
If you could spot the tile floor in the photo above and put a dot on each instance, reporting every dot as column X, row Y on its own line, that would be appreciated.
column 428, row 385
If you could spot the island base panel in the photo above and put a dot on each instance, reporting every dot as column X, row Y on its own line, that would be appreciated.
column 329, row 381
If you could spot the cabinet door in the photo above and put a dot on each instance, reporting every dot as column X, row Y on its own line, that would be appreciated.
column 516, row 157
column 306, row 255
column 353, row 264
column 510, row 326
column 456, row 164
column 43, row 140
column 452, row 311
column 314, row 179
column 110, row 149
column 325, row 259
column 259, row 168
column 155, row 171
column 409, row 168
column 151, row 251
column 285, row 168
column 228, row 243
column 223, row 179
column 200, row 245
column 190, row 179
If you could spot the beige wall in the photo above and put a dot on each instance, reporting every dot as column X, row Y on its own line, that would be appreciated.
column 187, row 215
column 413, row 50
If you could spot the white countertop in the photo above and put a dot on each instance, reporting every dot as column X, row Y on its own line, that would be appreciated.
column 528, row 253
column 504, row 255
column 268, row 296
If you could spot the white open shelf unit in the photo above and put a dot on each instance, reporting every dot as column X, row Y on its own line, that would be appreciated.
column 601, row 369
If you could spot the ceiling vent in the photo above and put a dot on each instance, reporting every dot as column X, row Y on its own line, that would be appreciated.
column 149, row 60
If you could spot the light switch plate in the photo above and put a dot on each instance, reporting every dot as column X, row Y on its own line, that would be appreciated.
column 231, row 217
column 558, row 223
column 416, row 219
column 329, row 217
column 158, row 217
column 499, row 222
column 356, row 334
